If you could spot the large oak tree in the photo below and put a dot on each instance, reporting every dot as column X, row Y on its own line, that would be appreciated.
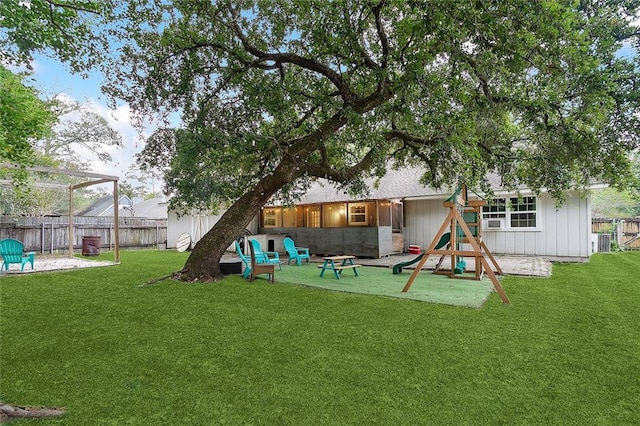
column 275, row 93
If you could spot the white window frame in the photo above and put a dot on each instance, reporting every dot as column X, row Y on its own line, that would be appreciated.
column 272, row 217
column 506, row 211
column 358, row 218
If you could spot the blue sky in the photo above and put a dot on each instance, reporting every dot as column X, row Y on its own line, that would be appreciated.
column 51, row 78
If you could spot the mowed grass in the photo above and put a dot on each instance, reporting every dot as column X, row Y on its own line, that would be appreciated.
column 567, row 350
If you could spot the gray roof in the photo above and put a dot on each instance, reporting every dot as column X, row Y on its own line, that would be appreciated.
column 154, row 208
column 403, row 183
column 104, row 206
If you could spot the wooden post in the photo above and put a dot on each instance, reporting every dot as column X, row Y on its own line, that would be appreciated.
column 427, row 252
column 116, row 220
column 70, row 221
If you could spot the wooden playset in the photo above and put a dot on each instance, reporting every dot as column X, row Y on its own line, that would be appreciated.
column 463, row 225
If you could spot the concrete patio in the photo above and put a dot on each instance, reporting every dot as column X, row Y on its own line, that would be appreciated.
column 511, row 265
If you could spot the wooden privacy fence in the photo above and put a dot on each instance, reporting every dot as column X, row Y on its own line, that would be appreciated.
column 51, row 234
column 624, row 232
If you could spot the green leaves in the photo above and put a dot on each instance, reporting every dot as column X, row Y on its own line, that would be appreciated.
column 339, row 89
column 23, row 118
column 69, row 30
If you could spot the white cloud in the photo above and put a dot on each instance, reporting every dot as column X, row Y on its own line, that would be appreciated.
column 133, row 139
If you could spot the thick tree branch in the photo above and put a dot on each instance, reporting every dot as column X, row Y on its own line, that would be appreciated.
column 343, row 175
column 348, row 96
column 384, row 41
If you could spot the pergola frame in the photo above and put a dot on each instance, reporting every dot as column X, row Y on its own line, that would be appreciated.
column 92, row 179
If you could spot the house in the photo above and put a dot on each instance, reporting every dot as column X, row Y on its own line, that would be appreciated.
column 153, row 208
column 400, row 212
column 104, row 206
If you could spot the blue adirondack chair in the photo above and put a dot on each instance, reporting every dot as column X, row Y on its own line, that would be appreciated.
column 265, row 256
column 12, row 251
column 296, row 253
column 245, row 259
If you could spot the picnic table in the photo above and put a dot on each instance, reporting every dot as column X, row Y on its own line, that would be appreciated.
column 344, row 262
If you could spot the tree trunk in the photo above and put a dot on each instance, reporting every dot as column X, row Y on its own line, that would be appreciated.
column 203, row 262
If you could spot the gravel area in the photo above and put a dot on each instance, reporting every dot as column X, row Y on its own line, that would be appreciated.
column 42, row 264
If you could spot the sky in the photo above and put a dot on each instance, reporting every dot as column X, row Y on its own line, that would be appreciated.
column 50, row 77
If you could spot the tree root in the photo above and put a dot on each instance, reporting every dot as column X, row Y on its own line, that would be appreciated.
column 172, row 276
column 11, row 412
column 181, row 276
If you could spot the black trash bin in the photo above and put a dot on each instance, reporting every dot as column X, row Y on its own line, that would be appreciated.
column 91, row 245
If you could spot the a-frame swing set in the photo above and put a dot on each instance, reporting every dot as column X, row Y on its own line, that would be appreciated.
column 462, row 231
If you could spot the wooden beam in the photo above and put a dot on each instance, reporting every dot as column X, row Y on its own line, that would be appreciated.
column 68, row 172
column 70, row 224
column 89, row 183
column 38, row 184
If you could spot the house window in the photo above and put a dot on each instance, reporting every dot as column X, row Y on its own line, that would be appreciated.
column 358, row 214
column 271, row 217
column 314, row 214
column 289, row 217
column 511, row 212
column 496, row 209
column 334, row 215
column 523, row 212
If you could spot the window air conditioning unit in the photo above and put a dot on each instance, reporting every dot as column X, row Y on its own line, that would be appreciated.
column 494, row 223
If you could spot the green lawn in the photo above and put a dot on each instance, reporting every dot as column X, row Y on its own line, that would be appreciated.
column 567, row 350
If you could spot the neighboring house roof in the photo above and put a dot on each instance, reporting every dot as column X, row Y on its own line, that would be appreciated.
column 104, row 206
column 154, row 208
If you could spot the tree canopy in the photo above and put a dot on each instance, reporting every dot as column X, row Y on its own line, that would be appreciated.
column 79, row 130
column 75, row 31
column 273, row 93
column 463, row 88
column 24, row 117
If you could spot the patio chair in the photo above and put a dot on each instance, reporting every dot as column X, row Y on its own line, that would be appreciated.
column 245, row 259
column 258, row 268
column 271, row 257
column 296, row 253
column 12, row 251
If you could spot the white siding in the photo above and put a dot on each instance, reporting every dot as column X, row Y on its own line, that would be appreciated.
column 423, row 218
column 196, row 225
column 561, row 232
